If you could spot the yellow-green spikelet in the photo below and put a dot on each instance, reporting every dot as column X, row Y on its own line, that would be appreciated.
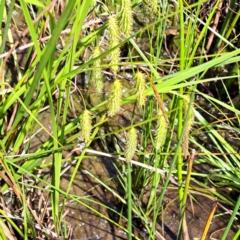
column 86, row 125
column 140, row 87
column 114, row 41
column 154, row 6
column 161, row 132
column 115, row 98
column 131, row 144
column 97, row 71
column 126, row 21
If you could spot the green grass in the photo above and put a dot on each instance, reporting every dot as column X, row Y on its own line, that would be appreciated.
column 175, row 66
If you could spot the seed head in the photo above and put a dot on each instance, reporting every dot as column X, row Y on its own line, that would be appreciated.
column 126, row 22
column 131, row 144
column 140, row 88
column 161, row 132
column 154, row 5
column 115, row 98
column 97, row 70
column 114, row 41
column 86, row 125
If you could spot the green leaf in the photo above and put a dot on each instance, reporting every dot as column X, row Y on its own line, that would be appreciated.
column 36, row 3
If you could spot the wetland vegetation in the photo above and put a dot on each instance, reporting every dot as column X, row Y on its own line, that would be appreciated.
column 120, row 119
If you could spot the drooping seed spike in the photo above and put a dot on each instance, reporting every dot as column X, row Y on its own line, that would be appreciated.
column 86, row 125
column 140, row 87
column 161, row 132
column 97, row 70
column 114, row 32
column 115, row 98
column 126, row 21
column 131, row 144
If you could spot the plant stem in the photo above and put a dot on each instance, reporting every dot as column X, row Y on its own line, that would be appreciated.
column 234, row 213
column 129, row 200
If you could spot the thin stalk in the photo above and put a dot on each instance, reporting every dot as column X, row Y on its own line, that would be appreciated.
column 209, row 220
column 5, row 16
column 10, row 221
column 188, row 178
column 129, row 199
column 180, row 113
column 234, row 22
column 25, row 222
column 225, row 25
column 141, row 178
column 3, row 230
column 202, row 33
column 2, row 18
column 237, row 235
column 234, row 213
column 7, row 22
column 156, row 179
